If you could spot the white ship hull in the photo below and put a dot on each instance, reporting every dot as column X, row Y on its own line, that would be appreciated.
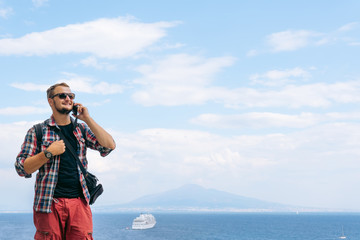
column 144, row 221
column 143, row 226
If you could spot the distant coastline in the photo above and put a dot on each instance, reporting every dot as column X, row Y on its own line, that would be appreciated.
column 206, row 210
column 193, row 198
column 105, row 209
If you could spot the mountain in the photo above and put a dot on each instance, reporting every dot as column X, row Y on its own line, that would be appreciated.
column 196, row 198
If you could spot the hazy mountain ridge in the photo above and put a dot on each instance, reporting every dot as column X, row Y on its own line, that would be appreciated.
column 196, row 198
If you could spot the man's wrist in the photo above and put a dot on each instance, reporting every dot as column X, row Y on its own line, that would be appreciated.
column 87, row 120
column 48, row 154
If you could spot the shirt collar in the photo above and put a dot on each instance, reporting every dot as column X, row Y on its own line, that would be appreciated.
column 51, row 122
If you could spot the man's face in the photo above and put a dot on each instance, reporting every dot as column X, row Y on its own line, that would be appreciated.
column 62, row 105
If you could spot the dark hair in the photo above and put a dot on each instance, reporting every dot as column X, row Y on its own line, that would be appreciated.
column 50, row 91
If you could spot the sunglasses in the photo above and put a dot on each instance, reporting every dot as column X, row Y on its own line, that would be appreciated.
column 64, row 95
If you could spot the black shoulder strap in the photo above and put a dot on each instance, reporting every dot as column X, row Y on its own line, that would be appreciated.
column 38, row 132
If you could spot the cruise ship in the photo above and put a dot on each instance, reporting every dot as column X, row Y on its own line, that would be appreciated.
column 144, row 221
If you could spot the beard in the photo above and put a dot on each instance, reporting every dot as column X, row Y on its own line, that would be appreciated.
column 62, row 110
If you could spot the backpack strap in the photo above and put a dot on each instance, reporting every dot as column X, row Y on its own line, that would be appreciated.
column 39, row 135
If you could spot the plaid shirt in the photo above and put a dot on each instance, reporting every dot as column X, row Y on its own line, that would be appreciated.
column 47, row 175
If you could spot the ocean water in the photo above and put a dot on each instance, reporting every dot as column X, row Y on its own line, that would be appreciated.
column 206, row 226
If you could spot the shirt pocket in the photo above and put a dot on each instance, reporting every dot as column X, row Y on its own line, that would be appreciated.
column 45, row 144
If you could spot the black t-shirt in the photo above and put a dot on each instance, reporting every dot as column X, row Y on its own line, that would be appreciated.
column 68, row 183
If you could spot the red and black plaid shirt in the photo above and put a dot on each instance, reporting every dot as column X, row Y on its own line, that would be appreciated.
column 47, row 175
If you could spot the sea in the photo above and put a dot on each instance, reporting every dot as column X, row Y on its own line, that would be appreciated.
column 205, row 226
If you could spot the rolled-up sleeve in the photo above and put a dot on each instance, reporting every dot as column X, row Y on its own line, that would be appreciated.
column 92, row 143
column 28, row 149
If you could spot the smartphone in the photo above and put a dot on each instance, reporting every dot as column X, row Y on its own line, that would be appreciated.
column 75, row 110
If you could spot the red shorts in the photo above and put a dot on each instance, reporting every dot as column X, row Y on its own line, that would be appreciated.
column 70, row 219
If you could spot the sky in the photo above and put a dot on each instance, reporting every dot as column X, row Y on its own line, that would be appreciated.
column 256, row 98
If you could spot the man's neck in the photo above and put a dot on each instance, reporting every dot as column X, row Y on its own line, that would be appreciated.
column 62, row 119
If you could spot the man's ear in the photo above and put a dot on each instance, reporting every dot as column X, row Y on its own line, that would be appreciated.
column 51, row 101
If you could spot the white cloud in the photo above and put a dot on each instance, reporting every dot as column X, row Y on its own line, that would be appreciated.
column 93, row 62
column 252, row 53
column 109, row 38
column 24, row 110
column 12, row 135
column 238, row 163
column 354, row 43
column 166, row 46
column 30, row 87
column 292, row 96
column 89, row 85
column 39, row 3
column 291, row 40
column 78, row 84
column 348, row 27
column 271, row 120
column 173, row 150
column 250, row 165
column 178, row 79
column 280, row 77
column 183, row 79
column 96, row 104
column 20, row 199
column 257, row 120
column 6, row 12
column 5, row 35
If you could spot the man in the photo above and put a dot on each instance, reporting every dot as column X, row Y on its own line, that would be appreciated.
column 61, row 203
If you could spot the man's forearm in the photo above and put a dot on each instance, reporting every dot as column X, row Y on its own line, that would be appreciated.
column 31, row 164
column 102, row 136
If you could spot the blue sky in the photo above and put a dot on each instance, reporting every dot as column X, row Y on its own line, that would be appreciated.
column 256, row 98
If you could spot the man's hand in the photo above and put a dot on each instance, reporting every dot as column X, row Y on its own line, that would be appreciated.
column 83, row 112
column 33, row 163
column 57, row 147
